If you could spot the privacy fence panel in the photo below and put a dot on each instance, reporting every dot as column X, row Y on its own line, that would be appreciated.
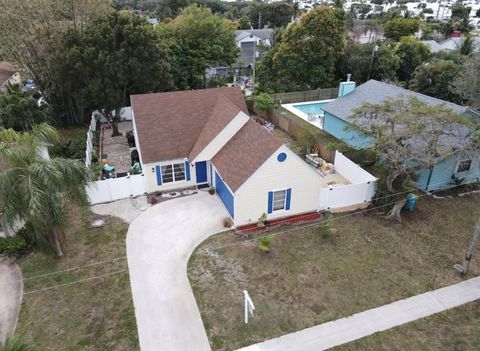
column 107, row 190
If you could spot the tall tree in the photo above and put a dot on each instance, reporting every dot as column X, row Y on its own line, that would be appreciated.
column 31, row 33
column 372, row 61
column 401, row 27
column 411, row 135
column 19, row 110
column 412, row 53
column 35, row 191
column 435, row 79
column 196, row 40
column 115, row 56
column 310, row 49
column 467, row 83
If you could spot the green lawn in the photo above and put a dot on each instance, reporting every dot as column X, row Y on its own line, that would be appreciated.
column 312, row 276
column 94, row 315
column 457, row 329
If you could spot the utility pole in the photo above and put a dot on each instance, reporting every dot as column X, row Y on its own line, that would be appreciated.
column 464, row 268
column 254, row 64
column 374, row 50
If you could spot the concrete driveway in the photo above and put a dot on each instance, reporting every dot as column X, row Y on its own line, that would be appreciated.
column 159, row 244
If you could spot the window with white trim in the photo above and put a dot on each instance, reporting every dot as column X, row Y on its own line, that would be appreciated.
column 464, row 166
column 173, row 173
column 279, row 200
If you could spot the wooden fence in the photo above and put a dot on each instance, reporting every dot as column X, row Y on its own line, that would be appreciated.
column 294, row 127
column 301, row 96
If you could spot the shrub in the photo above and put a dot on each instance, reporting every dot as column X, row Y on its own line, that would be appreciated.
column 13, row 245
column 262, row 220
column 211, row 191
column 263, row 103
column 73, row 148
column 264, row 243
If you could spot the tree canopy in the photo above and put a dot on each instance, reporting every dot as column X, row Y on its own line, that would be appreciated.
column 197, row 40
column 467, row 82
column 31, row 34
column 115, row 56
column 412, row 53
column 308, row 52
column 401, row 27
column 20, row 110
column 412, row 135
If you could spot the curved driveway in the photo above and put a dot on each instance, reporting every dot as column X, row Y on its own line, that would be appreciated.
column 159, row 244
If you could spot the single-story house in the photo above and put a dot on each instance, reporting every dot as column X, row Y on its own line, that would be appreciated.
column 337, row 117
column 206, row 138
column 450, row 44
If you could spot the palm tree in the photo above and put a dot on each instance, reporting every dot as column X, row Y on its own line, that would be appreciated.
column 467, row 46
column 35, row 190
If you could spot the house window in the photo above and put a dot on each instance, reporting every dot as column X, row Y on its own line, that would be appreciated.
column 464, row 166
column 279, row 200
column 173, row 173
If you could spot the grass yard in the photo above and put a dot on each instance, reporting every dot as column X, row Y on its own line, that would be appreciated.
column 312, row 276
column 93, row 315
column 456, row 329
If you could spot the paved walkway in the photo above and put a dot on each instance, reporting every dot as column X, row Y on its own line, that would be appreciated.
column 342, row 331
column 11, row 290
column 159, row 244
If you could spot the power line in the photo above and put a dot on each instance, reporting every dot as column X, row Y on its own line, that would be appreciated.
column 75, row 282
column 317, row 223
column 96, row 263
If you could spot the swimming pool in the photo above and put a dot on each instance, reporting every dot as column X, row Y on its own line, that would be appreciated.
column 312, row 108
column 311, row 111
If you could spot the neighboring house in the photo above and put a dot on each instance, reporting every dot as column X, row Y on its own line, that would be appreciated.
column 252, row 43
column 205, row 138
column 337, row 118
column 450, row 44
column 8, row 75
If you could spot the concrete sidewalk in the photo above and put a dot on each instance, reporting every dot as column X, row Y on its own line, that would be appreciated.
column 342, row 331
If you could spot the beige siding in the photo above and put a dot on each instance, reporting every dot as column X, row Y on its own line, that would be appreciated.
column 150, row 173
column 251, row 199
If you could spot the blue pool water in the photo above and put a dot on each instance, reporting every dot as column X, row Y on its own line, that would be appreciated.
column 312, row 108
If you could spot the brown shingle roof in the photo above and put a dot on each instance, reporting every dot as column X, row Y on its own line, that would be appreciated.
column 223, row 112
column 245, row 153
column 6, row 71
column 170, row 124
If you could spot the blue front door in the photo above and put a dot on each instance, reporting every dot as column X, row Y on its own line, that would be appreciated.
column 201, row 172
column 225, row 195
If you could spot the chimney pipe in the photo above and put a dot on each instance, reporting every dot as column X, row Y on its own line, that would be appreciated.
column 348, row 77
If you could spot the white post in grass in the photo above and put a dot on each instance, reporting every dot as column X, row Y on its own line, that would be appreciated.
column 249, row 306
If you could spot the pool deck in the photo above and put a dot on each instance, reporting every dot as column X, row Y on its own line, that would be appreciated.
column 315, row 121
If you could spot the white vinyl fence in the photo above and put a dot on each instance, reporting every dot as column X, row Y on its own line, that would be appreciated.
column 116, row 188
column 90, row 135
column 107, row 190
column 360, row 191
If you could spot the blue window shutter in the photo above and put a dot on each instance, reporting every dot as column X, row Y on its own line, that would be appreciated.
column 270, row 202
column 187, row 170
column 289, row 196
column 159, row 175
